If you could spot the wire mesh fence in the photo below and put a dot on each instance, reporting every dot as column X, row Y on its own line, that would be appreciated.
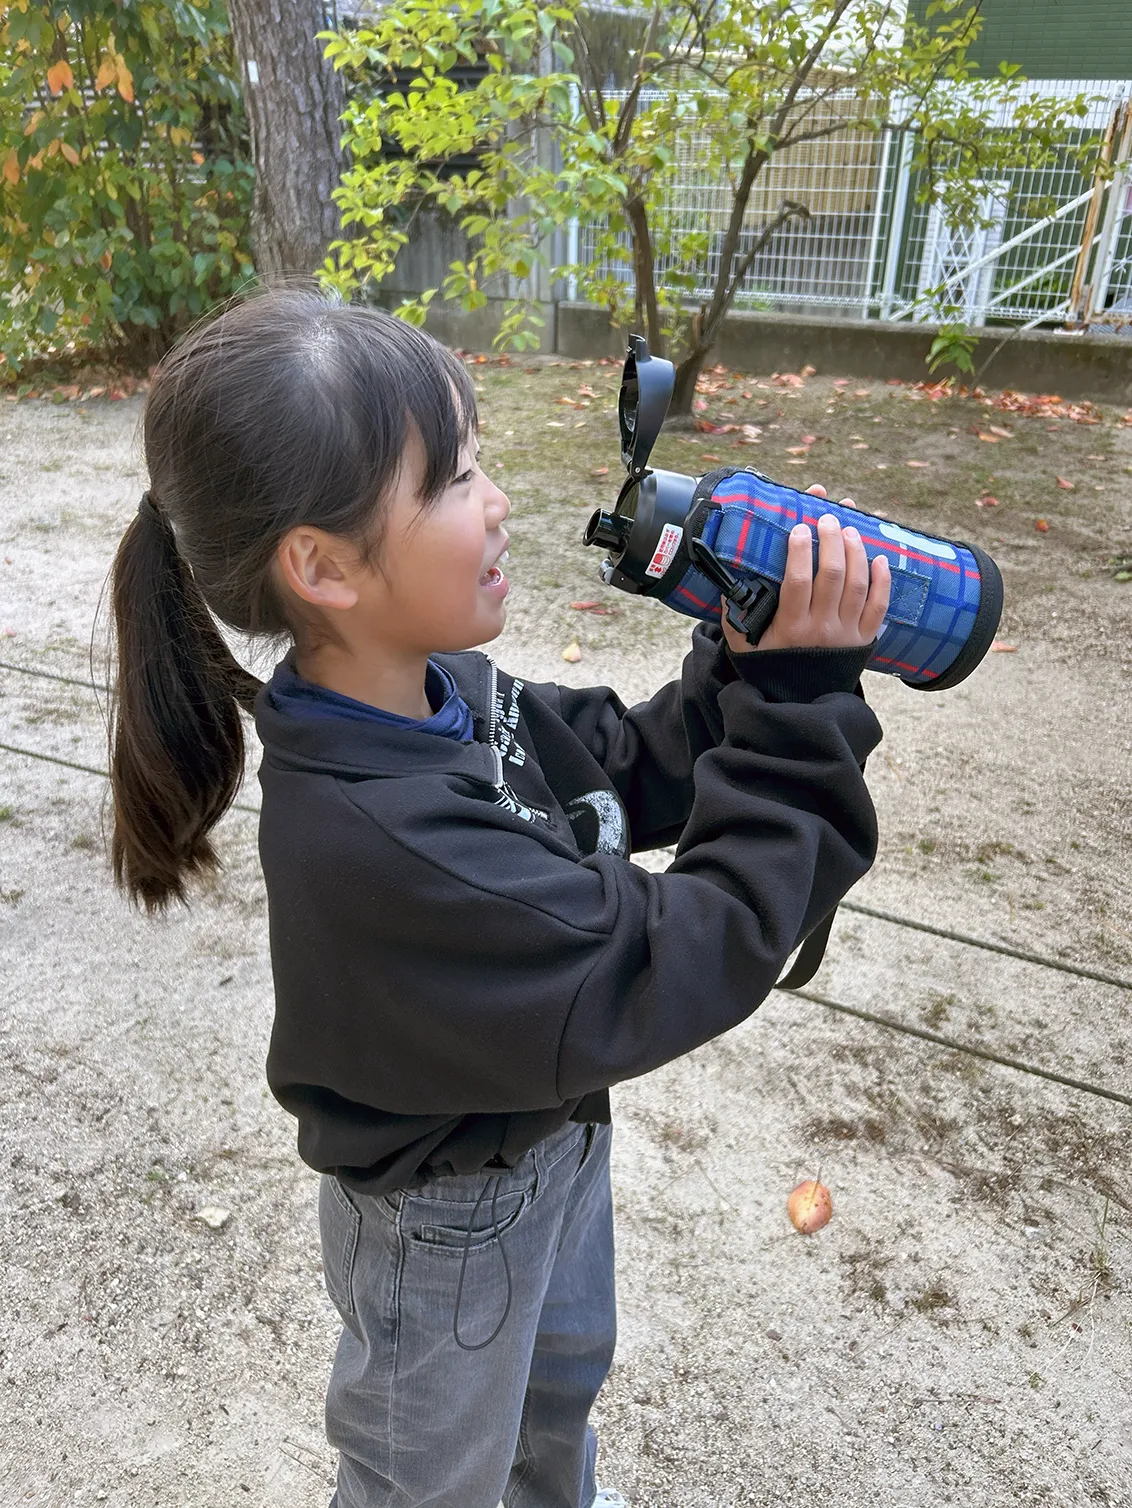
column 873, row 247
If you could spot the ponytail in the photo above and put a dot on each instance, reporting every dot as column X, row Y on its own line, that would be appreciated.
column 177, row 745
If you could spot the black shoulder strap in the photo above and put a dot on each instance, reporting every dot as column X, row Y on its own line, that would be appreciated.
column 810, row 955
column 812, row 951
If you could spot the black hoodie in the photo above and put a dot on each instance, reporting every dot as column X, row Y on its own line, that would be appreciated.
column 465, row 958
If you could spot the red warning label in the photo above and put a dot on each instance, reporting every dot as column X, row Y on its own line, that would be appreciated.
column 666, row 547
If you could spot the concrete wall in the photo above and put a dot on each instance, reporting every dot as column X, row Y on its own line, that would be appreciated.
column 1076, row 366
column 1037, row 361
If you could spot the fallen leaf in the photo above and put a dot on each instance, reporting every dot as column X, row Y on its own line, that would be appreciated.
column 990, row 439
column 1001, row 647
column 572, row 653
column 701, row 404
column 841, row 382
column 555, row 424
column 894, row 382
column 600, row 471
column 1064, row 483
column 60, row 77
column 808, row 371
column 213, row 1216
column 809, row 439
column 1005, row 434
column 920, row 465
column 585, row 391
column 862, row 392
column 1041, row 526
column 787, row 379
column 710, row 458
column 599, row 609
column 797, row 450
column 986, row 501
column 10, row 633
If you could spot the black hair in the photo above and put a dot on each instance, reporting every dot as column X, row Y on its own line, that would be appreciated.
column 287, row 408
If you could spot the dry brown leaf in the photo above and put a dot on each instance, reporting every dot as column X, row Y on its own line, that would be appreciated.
column 572, row 653
column 59, row 76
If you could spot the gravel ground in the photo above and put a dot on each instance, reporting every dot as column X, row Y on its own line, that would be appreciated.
column 959, row 1333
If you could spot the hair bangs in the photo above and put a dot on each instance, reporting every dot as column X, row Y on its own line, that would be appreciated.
column 441, row 405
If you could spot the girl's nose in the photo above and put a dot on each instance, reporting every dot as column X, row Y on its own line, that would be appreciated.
column 499, row 504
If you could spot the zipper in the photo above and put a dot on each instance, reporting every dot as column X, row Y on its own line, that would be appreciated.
column 492, row 703
column 507, row 795
column 492, row 699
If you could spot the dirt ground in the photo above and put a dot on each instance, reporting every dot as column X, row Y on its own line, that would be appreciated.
column 959, row 1333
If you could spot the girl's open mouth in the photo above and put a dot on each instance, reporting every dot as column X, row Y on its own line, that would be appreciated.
column 494, row 577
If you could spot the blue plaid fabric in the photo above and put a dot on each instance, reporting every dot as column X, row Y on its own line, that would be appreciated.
column 935, row 583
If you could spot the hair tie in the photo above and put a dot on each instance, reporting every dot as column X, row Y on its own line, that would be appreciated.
column 147, row 505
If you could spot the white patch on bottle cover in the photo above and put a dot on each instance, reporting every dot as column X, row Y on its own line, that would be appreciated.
column 901, row 536
column 666, row 547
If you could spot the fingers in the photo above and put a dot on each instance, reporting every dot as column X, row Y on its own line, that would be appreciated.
column 825, row 599
column 817, row 490
column 880, row 591
column 797, row 580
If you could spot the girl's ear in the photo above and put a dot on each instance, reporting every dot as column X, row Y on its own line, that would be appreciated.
column 311, row 567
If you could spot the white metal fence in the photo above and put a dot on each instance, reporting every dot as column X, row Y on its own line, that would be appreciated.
column 1057, row 246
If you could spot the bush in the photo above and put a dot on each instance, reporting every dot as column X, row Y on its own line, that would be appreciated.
column 125, row 185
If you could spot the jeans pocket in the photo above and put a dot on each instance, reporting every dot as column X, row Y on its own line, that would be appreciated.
column 339, row 1223
column 471, row 1225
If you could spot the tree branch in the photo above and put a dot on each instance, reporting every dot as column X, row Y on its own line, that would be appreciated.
column 629, row 107
column 789, row 209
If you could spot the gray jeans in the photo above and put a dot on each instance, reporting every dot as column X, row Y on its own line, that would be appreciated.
column 422, row 1421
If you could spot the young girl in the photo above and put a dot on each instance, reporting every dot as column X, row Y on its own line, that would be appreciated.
column 464, row 958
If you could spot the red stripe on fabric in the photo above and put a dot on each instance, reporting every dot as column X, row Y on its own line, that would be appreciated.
column 684, row 592
column 743, row 532
column 902, row 665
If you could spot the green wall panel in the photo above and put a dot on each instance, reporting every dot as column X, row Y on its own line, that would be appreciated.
column 1054, row 39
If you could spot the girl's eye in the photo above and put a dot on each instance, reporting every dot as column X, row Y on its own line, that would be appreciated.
column 464, row 477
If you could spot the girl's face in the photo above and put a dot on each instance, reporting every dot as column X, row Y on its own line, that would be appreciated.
column 438, row 583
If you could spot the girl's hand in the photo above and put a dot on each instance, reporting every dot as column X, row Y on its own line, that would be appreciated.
column 843, row 605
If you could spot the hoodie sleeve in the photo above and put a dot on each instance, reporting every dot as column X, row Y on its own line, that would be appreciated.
column 444, row 956
column 650, row 750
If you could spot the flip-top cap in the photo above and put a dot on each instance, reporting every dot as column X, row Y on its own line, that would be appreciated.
column 646, row 389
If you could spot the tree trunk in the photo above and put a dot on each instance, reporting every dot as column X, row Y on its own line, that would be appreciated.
column 644, row 273
column 687, row 375
column 293, row 99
